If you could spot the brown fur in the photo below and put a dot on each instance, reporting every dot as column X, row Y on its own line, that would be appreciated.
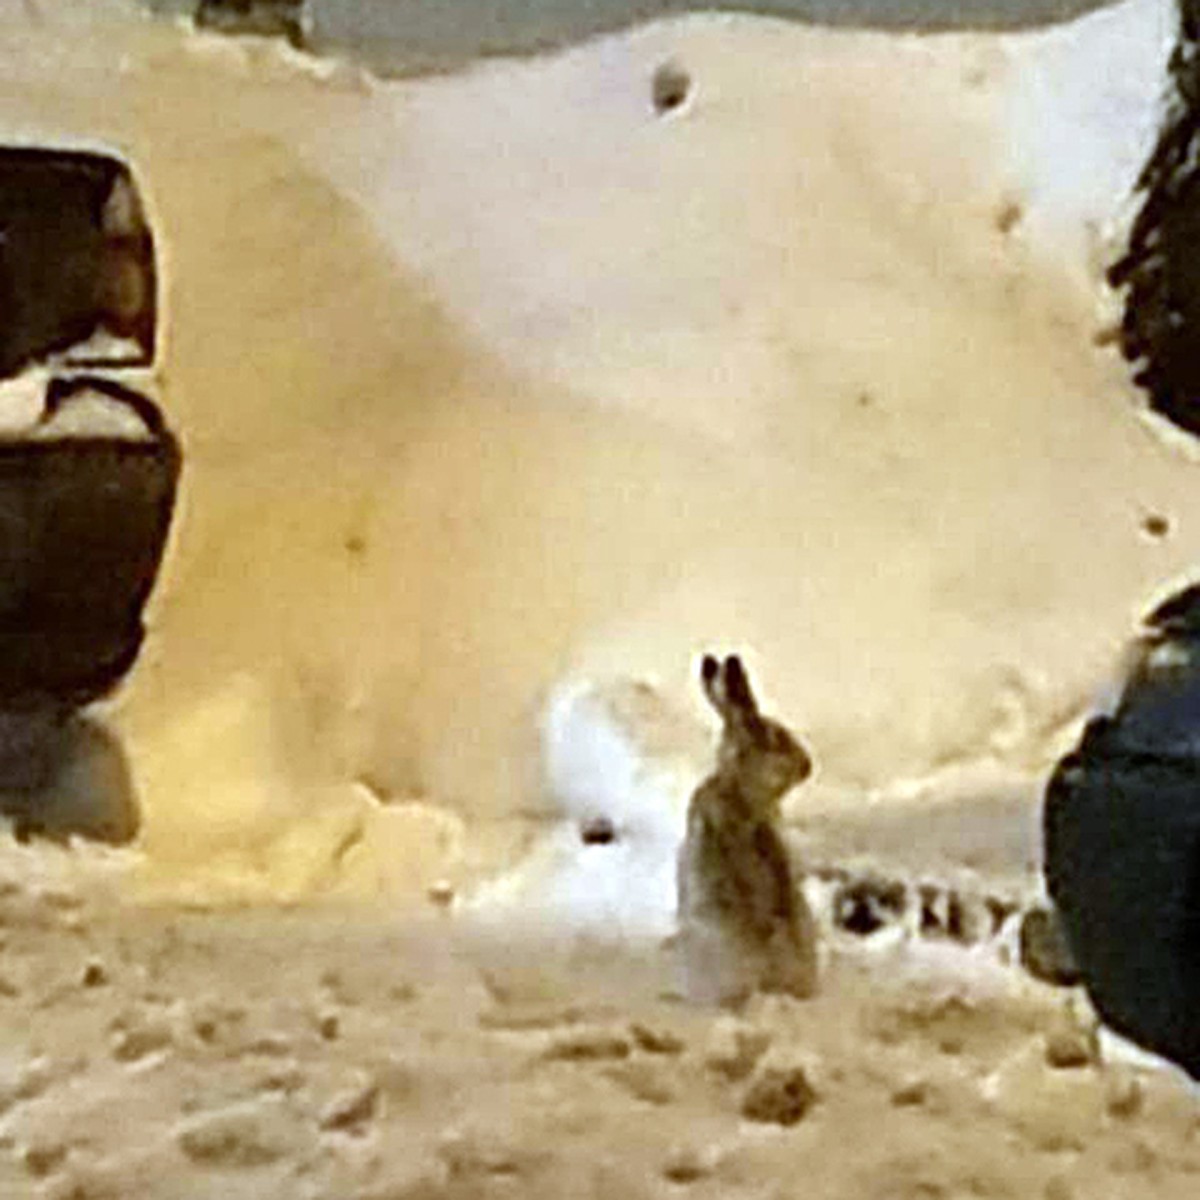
column 743, row 923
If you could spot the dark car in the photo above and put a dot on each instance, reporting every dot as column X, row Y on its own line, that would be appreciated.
column 1121, row 830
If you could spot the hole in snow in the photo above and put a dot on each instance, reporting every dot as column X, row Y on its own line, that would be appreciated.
column 671, row 87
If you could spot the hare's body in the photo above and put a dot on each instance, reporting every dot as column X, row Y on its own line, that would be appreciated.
column 744, row 925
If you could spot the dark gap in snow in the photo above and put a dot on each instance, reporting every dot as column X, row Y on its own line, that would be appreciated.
column 262, row 18
column 670, row 88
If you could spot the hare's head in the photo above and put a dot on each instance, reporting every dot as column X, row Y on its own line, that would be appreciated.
column 759, row 754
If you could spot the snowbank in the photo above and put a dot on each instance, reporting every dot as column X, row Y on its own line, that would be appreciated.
column 505, row 381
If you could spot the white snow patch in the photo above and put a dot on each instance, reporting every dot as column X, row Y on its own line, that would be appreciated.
column 618, row 749
column 615, row 752
column 22, row 400
column 1085, row 105
column 88, row 413
column 1114, row 1049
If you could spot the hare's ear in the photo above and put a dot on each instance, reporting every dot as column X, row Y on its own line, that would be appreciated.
column 737, row 687
column 710, row 679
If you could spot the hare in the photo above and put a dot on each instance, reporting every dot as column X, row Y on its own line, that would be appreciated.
column 743, row 923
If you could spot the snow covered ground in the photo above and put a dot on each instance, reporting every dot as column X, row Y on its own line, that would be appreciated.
column 504, row 395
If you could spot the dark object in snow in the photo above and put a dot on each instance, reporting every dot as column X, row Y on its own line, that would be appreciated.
column 597, row 831
column 87, row 489
column 1121, row 826
column 83, row 523
column 1160, row 270
column 1071, row 1045
column 86, row 494
column 76, row 258
column 263, row 18
column 1044, row 950
column 779, row 1096
column 868, row 904
column 670, row 88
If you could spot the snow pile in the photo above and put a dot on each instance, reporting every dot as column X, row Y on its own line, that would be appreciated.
column 620, row 765
column 493, row 380
column 619, row 751
column 1084, row 107
column 22, row 401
